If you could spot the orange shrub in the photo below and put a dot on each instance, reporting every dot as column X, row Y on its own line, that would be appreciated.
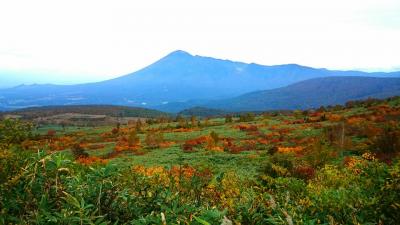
column 177, row 130
column 120, row 148
column 355, row 120
column 314, row 119
column 290, row 149
column 166, row 144
column 91, row 160
column 216, row 149
column 263, row 141
column 185, row 171
column 246, row 127
column 334, row 118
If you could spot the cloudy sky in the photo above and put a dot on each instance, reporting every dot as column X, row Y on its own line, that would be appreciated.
column 72, row 41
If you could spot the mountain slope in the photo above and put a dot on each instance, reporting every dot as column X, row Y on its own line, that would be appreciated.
column 178, row 77
column 108, row 110
column 312, row 93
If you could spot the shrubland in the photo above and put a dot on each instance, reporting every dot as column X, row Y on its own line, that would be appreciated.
column 335, row 165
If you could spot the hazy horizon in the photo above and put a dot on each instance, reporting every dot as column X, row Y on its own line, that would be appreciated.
column 77, row 42
column 21, row 79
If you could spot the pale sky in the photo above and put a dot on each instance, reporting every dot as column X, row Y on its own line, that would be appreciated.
column 72, row 41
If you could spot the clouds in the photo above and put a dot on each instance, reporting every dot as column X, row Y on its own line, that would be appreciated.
column 95, row 40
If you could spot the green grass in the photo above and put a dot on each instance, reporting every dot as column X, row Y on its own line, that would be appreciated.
column 219, row 162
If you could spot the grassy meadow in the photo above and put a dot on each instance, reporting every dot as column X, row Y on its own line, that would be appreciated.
column 334, row 165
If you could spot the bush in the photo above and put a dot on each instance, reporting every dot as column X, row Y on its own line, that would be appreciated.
column 284, row 160
column 228, row 119
column 388, row 141
column 154, row 139
column 78, row 151
column 133, row 139
column 304, row 172
column 248, row 117
column 318, row 154
column 14, row 132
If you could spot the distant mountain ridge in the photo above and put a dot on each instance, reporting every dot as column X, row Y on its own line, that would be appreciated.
column 312, row 93
column 177, row 78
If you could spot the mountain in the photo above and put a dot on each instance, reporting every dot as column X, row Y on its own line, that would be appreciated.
column 312, row 93
column 179, row 77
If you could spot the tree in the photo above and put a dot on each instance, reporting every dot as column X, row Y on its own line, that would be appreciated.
column 246, row 117
column 118, row 126
column 321, row 109
column 207, row 122
column 63, row 124
column 14, row 132
column 139, row 125
column 214, row 139
column 133, row 139
column 181, row 121
column 154, row 139
column 298, row 113
column 388, row 141
column 193, row 120
column 228, row 119
column 336, row 135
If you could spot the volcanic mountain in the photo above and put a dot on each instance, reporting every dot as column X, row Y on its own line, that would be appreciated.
column 179, row 77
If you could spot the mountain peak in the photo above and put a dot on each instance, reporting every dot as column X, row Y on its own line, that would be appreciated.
column 179, row 53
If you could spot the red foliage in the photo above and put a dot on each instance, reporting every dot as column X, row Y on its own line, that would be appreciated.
column 296, row 122
column 246, row 127
column 115, row 131
column 95, row 146
column 236, row 149
column 355, row 120
column 263, row 141
column 192, row 143
column 315, row 114
column 304, row 172
column 51, row 133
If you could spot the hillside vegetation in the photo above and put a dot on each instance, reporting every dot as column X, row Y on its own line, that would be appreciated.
column 107, row 110
column 333, row 165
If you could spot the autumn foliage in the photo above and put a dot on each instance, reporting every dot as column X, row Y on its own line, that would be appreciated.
column 332, row 165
